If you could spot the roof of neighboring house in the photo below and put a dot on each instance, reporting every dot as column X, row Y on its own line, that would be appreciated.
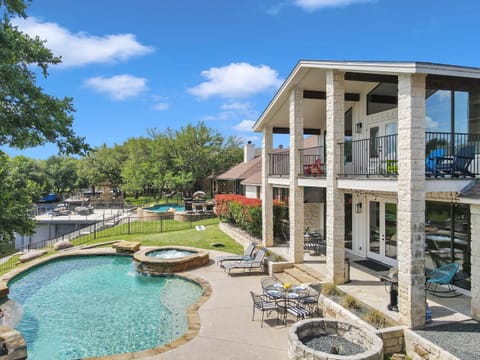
column 471, row 194
column 254, row 179
column 242, row 170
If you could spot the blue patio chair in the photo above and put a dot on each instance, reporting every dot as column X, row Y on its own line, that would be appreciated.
column 444, row 276
column 458, row 165
column 431, row 160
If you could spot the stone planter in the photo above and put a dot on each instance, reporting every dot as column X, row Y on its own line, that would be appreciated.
column 277, row 266
column 307, row 331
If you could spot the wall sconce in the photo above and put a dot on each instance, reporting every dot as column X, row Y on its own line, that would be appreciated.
column 358, row 208
column 358, row 128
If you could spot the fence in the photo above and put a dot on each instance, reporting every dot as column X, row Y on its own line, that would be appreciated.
column 115, row 226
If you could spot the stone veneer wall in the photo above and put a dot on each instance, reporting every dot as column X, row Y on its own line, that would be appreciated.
column 239, row 235
column 312, row 216
column 419, row 348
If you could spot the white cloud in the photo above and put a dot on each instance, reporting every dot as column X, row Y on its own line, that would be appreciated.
column 236, row 80
column 312, row 5
column 161, row 106
column 430, row 124
column 118, row 87
column 77, row 49
column 244, row 126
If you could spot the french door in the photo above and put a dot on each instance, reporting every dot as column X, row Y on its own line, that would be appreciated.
column 382, row 232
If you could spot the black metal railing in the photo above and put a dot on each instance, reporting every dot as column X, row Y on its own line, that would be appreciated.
column 279, row 163
column 370, row 157
column 447, row 155
column 313, row 161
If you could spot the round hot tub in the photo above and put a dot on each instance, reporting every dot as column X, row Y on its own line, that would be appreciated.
column 329, row 339
column 169, row 259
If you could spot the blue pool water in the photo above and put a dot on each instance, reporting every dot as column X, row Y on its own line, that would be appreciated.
column 169, row 253
column 165, row 208
column 99, row 305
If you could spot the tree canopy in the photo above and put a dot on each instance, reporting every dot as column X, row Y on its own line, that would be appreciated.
column 28, row 117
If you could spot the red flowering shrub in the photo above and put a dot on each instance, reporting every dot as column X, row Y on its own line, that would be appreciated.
column 243, row 212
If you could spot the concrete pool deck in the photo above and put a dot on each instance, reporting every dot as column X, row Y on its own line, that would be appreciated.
column 227, row 330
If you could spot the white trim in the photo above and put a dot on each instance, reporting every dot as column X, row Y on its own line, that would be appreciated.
column 387, row 185
column 285, row 182
column 446, row 185
column 319, row 182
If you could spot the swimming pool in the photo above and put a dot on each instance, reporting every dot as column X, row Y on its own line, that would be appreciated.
column 99, row 305
column 165, row 208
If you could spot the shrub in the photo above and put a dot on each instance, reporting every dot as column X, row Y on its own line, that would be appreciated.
column 243, row 212
column 350, row 302
column 375, row 318
column 330, row 289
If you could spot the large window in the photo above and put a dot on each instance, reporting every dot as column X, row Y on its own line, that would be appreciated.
column 447, row 238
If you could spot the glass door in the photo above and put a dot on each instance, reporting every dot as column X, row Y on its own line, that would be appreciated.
column 382, row 232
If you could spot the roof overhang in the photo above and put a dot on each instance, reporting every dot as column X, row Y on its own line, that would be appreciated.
column 310, row 75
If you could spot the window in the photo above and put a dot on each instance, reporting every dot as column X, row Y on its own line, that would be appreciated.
column 348, row 221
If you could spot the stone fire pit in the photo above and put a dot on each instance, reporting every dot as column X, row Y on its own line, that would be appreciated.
column 329, row 339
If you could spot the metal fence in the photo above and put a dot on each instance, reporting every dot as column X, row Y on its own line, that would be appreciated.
column 115, row 226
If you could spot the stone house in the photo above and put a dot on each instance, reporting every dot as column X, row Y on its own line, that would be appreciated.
column 393, row 176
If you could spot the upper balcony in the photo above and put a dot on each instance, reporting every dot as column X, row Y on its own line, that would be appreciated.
column 448, row 156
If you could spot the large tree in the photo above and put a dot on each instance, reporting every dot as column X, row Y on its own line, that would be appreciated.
column 28, row 116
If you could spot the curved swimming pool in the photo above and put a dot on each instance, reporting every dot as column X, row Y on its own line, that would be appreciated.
column 99, row 305
column 165, row 207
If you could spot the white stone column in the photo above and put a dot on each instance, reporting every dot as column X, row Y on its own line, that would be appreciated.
column 267, row 189
column 411, row 199
column 335, row 232
column 295, row 200
column 475, row 261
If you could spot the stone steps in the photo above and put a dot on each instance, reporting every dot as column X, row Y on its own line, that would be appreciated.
column 299, row 274
column 286, row 278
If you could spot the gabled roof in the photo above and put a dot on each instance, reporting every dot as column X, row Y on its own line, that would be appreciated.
column 311, row 75
column 242, row 170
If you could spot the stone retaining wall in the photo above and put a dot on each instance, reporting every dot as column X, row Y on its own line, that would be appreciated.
column 14, row 343
column 419, row 348
column 239, row 235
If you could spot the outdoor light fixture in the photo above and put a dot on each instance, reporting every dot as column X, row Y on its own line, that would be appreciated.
column 358, row 208
column 358, row 128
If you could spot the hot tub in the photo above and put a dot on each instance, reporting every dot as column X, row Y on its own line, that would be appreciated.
column 169, row 259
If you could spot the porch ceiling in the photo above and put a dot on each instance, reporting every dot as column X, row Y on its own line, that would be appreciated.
column 313, row 109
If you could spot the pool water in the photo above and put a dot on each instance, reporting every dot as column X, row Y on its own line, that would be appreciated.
column 169, row 254
column 99, row 305
column 165, row 208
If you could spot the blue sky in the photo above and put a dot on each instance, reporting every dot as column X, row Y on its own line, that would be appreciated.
column 137, row 65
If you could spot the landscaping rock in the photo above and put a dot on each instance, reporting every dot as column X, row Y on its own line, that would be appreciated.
column 31, row 255
column 64, row 244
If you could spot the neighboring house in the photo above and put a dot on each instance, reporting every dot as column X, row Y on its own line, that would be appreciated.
column 394, row 168
column 230, row 182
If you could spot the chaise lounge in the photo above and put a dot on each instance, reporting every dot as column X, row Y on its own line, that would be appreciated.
column 247, row 255
column 255, row 264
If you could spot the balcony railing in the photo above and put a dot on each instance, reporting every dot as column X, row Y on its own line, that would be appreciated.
column 279, row 163
column 447, row 155
column 313, row 161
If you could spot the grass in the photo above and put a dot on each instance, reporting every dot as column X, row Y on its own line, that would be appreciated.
column 189, row 237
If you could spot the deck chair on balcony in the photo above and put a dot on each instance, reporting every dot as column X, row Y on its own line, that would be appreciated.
column 247, row 255
column 443, row 276
column 431, row 161
column 458, row 166
column 254, row 264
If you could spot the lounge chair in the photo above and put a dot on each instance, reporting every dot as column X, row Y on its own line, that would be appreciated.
column 256, row 263
column 444, row 276
column 431, row 161
column 458, row 166
column 247, row 255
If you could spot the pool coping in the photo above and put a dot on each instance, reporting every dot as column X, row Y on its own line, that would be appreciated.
column 192, row 311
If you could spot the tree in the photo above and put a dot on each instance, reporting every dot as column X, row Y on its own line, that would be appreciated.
column 62, row 173
column 28, row 116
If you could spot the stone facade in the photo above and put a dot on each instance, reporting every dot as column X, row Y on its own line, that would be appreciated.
column 335, row 204
column 296, row 192
column 311, row 216
column 475, row 261
column 267, row 189
column 411, row 199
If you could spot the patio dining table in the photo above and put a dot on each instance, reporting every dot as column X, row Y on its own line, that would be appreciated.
column 290, row 299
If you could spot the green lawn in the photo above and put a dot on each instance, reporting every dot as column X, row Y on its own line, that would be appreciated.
column 189, row 237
